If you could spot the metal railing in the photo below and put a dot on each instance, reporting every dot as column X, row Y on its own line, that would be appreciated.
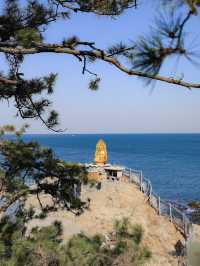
column 163, row 207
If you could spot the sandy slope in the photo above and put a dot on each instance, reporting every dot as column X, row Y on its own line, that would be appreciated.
column 114, row 201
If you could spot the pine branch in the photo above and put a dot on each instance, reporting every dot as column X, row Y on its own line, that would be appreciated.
column 7, row 81
column 14, row 198
column 181, row 27
column 76, row 7
column 98, row 54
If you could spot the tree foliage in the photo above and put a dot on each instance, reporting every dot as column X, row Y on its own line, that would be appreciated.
column 23, row 25
column 22, row 33
column 22, row 161
column 44, row 247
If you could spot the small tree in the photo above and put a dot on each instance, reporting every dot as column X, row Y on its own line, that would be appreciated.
column 21, row 161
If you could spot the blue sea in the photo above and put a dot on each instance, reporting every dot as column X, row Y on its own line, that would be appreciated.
column 170, row 161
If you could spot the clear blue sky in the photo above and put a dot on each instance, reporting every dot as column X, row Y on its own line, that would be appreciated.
column 123, row 104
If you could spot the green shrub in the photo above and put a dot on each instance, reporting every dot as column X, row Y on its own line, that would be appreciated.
column 121, row 227
column 81, row 249
column 143, row 254
column 43, row 247
column 137, row 233
column 120, row 248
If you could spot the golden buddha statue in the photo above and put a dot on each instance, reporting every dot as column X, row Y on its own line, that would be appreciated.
column 101, row 156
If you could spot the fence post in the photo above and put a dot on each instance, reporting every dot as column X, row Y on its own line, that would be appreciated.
column 184, row 225
column 141, row 180
column 150, row 191
column 170, row 212
column 159, row 211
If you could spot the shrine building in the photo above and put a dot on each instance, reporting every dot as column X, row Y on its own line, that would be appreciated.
column 101, row 169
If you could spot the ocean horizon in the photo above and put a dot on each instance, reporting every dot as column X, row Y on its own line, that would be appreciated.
column 114, row 133
column 171, row 161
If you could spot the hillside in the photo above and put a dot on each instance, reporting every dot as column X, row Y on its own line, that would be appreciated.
column 114, row 201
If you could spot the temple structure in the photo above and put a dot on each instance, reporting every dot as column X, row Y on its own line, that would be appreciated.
column 100, row 169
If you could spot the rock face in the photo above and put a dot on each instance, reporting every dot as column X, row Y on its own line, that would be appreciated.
column 101, row 155
column 114, row 201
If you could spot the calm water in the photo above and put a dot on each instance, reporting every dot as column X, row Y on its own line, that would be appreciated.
column 170, row 161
